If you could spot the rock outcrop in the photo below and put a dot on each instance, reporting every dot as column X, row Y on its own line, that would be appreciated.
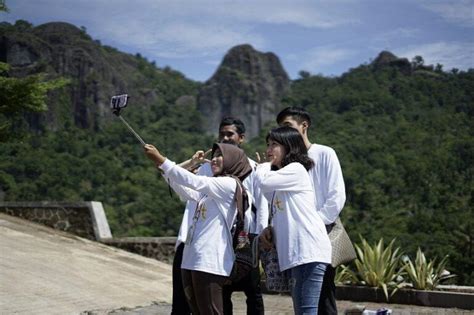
column 95, row 72
column 248, row 84
column 386, row 58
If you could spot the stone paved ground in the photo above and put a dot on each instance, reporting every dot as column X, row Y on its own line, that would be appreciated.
column 281, row 305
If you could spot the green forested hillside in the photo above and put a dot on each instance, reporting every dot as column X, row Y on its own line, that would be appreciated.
column 406, row 147
column 404, row 140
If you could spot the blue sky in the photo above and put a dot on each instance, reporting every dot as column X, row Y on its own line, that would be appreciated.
column 322, row 37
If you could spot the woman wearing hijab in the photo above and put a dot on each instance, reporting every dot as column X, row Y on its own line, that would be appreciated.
column 208, row 255
column 298, row 233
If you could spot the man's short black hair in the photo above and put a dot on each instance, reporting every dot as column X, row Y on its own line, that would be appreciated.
column 229, row 120
column 298, row 113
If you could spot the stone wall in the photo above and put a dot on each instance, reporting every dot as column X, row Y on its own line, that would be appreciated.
column 159, row 248
column 84, row 219
column 88, row 220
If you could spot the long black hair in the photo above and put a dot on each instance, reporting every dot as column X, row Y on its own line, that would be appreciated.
column 293, row 143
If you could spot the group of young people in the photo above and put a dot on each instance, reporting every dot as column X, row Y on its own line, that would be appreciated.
column 299, row 186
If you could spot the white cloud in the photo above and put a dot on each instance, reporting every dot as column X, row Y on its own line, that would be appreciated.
column 180, row 39
column 321, row 58
column 450, row 54
column 397, row 34
column 306, row 14
column 459, row 12
column 178, row 29
column 203, row 30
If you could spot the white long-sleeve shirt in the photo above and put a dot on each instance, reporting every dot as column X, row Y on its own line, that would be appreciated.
column 300, row 234
column 255, row 223
column 328, row 183
column 210, row 247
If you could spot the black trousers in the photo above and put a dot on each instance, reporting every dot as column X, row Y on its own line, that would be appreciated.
column 180, row 304
column 327, row 299
column 250, row 285
column 204, row 292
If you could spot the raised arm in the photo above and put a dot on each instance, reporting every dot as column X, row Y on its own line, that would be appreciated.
column 195, row 161
column 215, row 187
column 287, row 178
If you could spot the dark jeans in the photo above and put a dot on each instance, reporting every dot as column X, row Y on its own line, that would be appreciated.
column 203, row 291
column 180, row 305
column 250, row 284
column 327, row 299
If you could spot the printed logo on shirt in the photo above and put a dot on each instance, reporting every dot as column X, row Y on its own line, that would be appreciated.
column 278, row 204
column 203, row 211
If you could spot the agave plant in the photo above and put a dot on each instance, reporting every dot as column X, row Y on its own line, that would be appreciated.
column 426, row 275
column 379, row 266
column 343, row 275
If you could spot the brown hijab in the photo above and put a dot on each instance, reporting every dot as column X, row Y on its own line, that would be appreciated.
column 235, row 165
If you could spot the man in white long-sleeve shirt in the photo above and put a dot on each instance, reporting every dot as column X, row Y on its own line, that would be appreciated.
column 231, row 131
column 328, row 184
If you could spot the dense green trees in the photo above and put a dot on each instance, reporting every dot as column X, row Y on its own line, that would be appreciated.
column 406, row 148
column 404, row 141
column 22, row 95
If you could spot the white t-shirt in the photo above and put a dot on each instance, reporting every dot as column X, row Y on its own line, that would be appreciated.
column 300, row 234
column 328, row 183
column 254, row 223
column 210, row 248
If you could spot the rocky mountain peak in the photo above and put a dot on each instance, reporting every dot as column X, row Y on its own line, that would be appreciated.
column 249, row 85
column 63, row 50
column 386, row 58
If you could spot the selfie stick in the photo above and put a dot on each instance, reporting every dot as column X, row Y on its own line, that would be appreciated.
column 117, row 103
column 131, row 129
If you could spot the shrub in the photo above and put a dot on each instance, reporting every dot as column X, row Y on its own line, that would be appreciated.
column 426, row 275
column 378, row 266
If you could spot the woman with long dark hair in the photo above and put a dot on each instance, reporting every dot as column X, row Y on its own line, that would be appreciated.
column 208, row 255
column 299, row 234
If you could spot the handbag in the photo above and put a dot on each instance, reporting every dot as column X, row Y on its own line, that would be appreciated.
column 276, row 280
column 243, row 257
column 342, row 249
column 242, row 246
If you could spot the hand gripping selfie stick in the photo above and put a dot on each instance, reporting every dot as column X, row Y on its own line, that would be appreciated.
column 116, row 104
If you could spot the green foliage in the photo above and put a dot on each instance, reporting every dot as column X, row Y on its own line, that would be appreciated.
column 21, row 95
column 3, row 6
column 344, row 275
column 406, row 151
column 110, row 166
column 426, row 275
column 404, row 141
column 24, row 94
column 378, row 266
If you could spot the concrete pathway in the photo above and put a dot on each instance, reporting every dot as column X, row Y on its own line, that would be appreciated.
column 43, row 271
column 282, row 305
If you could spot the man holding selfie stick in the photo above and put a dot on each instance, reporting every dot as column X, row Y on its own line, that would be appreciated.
column 231, row 131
